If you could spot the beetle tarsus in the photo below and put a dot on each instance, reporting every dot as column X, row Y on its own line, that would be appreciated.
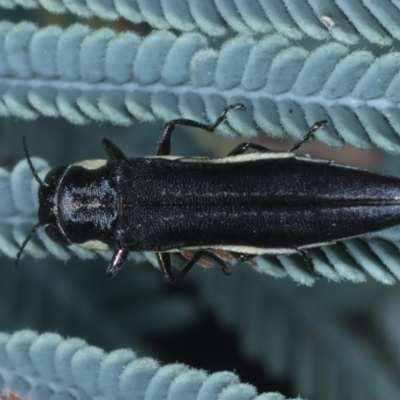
column 164, row 260
column 164, row 143
column 117, row 262
column 213, row 256
column 224, row 114
column 113, row 151
column 243, row 147
column 309, row 135
column 222, row 263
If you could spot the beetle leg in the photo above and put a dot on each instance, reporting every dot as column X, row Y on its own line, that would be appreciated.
column 164, row 260
column 164, row 143
column 309, row 135
column 222, row 263
column 117, row 261
column 113, row 151
column 242, row 147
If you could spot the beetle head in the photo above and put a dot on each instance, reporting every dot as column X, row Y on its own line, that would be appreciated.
column 47, row 205
column 47, row 197
column 48, row 215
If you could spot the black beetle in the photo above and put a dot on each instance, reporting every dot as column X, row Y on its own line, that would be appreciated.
column 263, row 202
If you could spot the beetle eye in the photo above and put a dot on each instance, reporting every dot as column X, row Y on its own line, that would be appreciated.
column 55, row 235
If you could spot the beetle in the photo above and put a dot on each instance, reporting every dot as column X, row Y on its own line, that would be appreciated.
column 245, row 204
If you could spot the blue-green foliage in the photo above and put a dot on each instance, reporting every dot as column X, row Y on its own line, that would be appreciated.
column 290, row 332
column 99, row 75
column 48, row 367
column 291, row 63
column 343, row 20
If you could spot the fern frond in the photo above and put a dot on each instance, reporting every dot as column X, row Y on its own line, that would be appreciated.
column 104, row 76
column 283, row 327
column 375, row 255
column 48, row 366
column 345, row 21
column 19, row 206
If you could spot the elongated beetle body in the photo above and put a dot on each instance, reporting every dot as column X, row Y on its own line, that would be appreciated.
column 247, row 204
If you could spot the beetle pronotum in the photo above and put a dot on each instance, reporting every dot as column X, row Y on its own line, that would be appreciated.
column 247, row 204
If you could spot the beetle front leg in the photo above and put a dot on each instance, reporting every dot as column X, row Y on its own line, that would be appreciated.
column 164, row 143
column 117, row 262
column 113, row 151
column 309, row 135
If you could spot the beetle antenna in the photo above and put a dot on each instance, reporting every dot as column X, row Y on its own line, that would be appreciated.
column 25, row 242
column 35, row 174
